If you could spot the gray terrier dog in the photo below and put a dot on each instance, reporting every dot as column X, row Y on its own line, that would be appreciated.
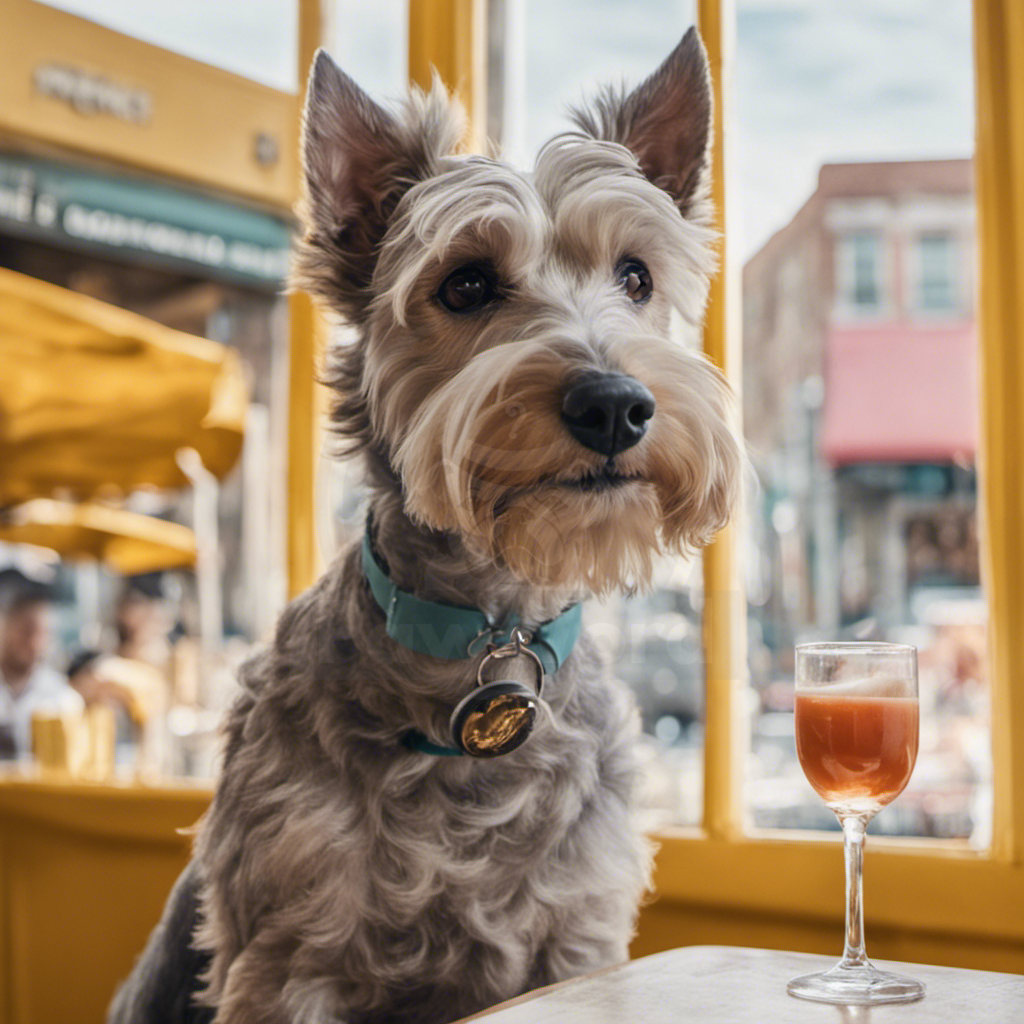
column 426, row 800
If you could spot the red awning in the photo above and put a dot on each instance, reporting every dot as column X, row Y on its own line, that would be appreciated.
column 901, row 393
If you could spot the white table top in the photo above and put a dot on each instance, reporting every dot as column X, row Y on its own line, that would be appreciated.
column 732, row 985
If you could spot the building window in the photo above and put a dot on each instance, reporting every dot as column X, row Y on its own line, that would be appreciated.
column 860, row 271
column 936, row 263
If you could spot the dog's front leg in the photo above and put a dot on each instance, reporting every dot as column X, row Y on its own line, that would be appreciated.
column 582, row 949
column 255, row 985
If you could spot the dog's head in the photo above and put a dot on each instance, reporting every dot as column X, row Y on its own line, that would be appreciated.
column 516, row 363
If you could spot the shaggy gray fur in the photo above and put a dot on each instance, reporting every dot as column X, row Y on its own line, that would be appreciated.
column 350, row 879
column 387, row 885
column 339, row 877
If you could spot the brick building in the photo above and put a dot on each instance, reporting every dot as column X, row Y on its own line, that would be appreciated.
column 860, row 406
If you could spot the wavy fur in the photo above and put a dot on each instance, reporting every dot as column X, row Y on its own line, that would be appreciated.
column 338, row 876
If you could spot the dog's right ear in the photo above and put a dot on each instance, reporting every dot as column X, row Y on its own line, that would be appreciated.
column 666, row 122
column 358, row 160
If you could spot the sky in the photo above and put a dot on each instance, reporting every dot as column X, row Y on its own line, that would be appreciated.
column 815, row 80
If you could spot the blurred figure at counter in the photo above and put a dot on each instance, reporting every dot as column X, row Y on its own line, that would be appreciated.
column 133, row 680
column 134, row 690
column 27, row 684
column 142, row 622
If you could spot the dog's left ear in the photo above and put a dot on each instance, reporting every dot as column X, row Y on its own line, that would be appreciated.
column 666, row 122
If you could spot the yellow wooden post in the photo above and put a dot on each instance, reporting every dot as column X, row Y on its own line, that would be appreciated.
column 444, row 34
column 724, row 635
column 999, row 55
column 305, row 397
column 305, row 418
column 450, row 36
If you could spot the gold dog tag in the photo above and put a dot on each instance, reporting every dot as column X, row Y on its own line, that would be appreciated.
column 498, row 717
column 494, row 719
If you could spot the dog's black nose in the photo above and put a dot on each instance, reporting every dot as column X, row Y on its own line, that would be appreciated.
column 607, row 412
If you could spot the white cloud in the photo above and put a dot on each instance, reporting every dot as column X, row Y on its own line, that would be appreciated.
column 815, row 81
column 819, row 81
column 571, row 49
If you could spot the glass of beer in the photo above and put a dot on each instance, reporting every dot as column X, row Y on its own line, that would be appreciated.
column 856, row 737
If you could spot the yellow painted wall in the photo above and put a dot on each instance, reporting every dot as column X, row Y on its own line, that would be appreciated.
column 204, row 120
column 670, row 925
column 925, row 901
column 84, row 872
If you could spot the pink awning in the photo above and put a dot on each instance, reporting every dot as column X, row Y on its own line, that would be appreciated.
column 901, row 393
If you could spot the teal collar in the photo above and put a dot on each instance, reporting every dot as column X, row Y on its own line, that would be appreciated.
column 448, row 631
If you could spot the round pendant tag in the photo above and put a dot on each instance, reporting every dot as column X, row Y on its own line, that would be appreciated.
column 494, row 719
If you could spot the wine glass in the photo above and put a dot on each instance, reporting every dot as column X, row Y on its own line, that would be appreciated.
column 856, row 737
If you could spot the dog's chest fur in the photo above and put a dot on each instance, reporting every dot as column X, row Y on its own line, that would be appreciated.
column 396, row 886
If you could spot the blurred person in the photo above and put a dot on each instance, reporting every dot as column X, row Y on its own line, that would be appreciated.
column 27, row 685
column 125, row 684
column 138, row 675
column 142, row 622
column 82, row 674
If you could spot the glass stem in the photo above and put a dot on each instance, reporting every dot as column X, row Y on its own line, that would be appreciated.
column 854, row 826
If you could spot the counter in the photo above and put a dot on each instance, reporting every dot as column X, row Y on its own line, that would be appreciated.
column 84, row 872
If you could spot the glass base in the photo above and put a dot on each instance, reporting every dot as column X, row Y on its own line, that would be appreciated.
column 856, row 984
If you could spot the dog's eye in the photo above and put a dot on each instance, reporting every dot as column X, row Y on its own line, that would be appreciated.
column 636, row 279
column 466, row 289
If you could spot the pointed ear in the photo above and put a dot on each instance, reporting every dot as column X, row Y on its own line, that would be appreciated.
column 358, row 160
column 666, row 122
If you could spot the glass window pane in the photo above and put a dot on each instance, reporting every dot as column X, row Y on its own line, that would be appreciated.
column 859, row 270
column 863, row 430
column 936, row 263
column 544, row 58
column 257, row 39
column 370, row 42
column 654, row 643
column 865, row 271
column 557, row 54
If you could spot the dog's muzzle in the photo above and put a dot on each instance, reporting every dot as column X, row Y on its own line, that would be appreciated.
column 498, row 716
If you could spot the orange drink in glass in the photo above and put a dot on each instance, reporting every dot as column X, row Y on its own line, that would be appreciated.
column 857, row 718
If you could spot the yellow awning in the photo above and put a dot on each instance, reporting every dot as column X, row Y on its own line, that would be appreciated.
column 94, row 397
column 128, row 542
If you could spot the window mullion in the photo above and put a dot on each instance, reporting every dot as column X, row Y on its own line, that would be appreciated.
column 306, row 338
column 450, row 36
column 724, row 635
column 999, row 51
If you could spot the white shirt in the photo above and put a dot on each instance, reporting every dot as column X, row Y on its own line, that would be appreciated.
column 46, row 690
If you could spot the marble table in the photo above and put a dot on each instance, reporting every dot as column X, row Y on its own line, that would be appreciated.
column 732, row 985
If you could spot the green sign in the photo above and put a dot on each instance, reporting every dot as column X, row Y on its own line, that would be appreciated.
column 128, row 218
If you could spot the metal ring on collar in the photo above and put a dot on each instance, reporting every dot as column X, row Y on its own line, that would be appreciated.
column 511, row 650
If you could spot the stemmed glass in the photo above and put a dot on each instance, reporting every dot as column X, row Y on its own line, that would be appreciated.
column 856, row 737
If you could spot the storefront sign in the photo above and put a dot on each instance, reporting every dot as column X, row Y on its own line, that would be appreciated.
column 133, row 220
column 92, row 94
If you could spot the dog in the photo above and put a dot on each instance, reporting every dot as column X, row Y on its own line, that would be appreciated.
column 427, row 793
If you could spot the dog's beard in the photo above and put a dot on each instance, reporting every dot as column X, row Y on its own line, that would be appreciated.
column 488, row 457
